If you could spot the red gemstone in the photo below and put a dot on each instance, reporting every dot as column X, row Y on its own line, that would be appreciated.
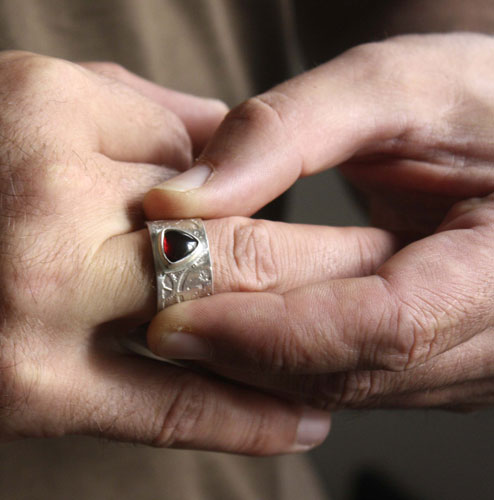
column 177, row 245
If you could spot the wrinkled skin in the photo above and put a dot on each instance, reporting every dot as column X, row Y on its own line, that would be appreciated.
column 80, row 145
column 401, row 317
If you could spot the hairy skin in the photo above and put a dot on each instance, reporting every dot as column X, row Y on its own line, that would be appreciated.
column 409, row 122
column 80, row 145
column 395, row 316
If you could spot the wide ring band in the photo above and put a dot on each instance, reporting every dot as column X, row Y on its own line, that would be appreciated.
column 182, row 260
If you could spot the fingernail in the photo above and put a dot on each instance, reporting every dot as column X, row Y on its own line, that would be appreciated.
column 190, row 179
column 178, row 345
column 313, row 429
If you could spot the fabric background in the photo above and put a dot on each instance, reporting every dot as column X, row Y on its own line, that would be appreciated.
column 229, row 49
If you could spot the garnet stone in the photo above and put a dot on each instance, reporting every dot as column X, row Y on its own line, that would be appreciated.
column 177, row 244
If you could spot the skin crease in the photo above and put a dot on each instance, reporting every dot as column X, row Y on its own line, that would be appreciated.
column 80, row 145
column 364, row 322
column 409, row 122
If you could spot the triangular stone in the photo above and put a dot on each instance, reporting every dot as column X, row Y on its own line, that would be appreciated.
column 177, row 244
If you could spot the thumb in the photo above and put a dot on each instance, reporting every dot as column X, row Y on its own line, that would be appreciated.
column 312, row 122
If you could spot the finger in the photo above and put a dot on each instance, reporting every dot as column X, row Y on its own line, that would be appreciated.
column 423, row 301
column 463, row 366
column 128, row 126
column 312, row 122
column 201, row 116
column 123, row 188
column 133, row 399
column 94, row 113
column 461, row 378
column 111, row 192
column 259, row 255
column 467, row 397
column 247, row 255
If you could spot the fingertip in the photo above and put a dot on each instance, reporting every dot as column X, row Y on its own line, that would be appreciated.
column 163, row 204
column 312, row 430
column 173, row 319
column 190, row 180
column 193, row 193
column 216, row 107
column 158, row 324
column 168, row 337
column 177, row 196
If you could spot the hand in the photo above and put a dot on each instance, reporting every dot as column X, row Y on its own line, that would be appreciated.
column 409, row 121
column 79, row 147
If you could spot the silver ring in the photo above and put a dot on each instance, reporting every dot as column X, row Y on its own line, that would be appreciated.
column 182, row 260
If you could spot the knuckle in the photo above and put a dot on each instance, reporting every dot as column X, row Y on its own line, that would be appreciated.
column 357, row 389
column 30, row 73
column 187, row 420
column 252, row 264
column 253, row 112
column 464, row 207
column 258, row 438
column 397, row 347
column 370, row 60
column 425, row 332
column 267, row 111
column 383, row 63
column 295, row 344
column 188, row 407
column 280, row 354
column 393, row 329
column 37, row 93
column 472, row 212
column 411, row 338
column 343, row 390
column 9, row 57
